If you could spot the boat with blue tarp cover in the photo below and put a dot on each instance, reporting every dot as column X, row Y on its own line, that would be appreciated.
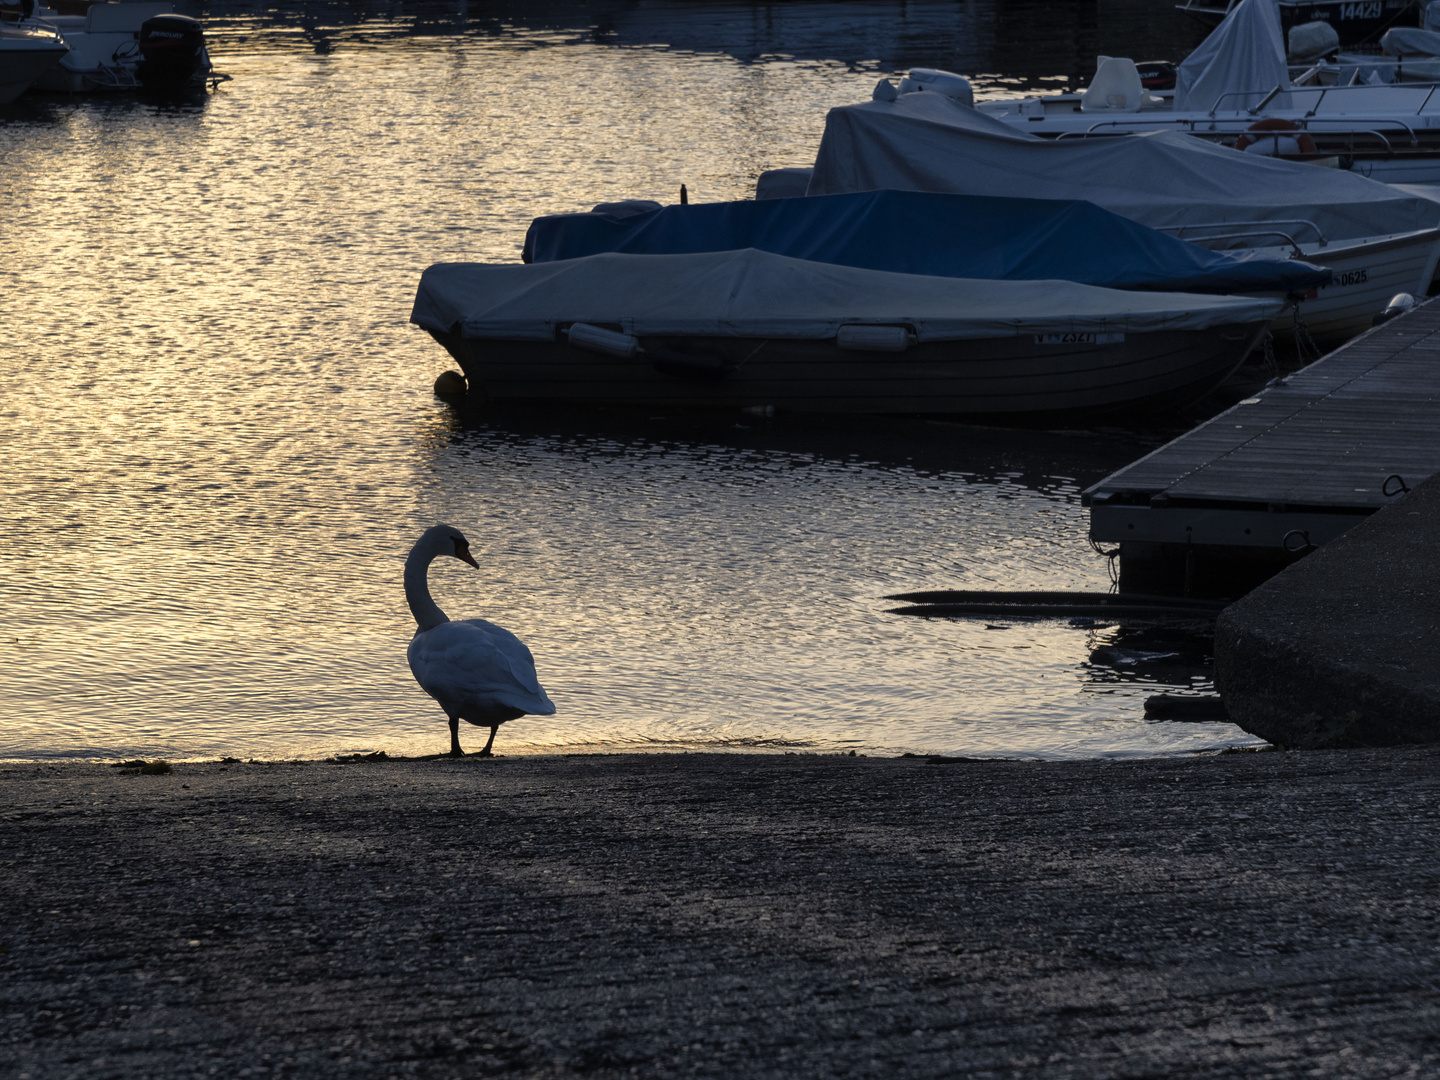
column 936, row 234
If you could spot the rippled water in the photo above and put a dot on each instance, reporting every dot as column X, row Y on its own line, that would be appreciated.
column 220, row 436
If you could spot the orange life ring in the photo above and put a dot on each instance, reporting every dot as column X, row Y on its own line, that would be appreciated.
column 1303, row 139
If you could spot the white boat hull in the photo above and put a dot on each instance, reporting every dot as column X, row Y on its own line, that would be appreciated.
column 24, row 58
column 104, row 47
column 1367, row 274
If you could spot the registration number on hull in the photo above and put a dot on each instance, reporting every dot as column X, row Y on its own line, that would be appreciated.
column 1349, row 277
column 1079, row 339
column 1369, row 10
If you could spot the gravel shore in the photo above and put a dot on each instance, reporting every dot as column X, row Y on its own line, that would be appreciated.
column 1261, row 914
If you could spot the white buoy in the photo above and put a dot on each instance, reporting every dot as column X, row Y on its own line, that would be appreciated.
column 1399, row 304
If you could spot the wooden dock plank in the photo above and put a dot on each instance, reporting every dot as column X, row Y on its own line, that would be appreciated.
column 1327, row 436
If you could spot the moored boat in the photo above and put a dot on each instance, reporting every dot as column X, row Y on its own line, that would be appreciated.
column 1210, row 195
column 26, row 53
column 1356, row 22
column 139, row 44
column 1237, row 89
column 749, row 328
column 104, row 46
column 937, row 234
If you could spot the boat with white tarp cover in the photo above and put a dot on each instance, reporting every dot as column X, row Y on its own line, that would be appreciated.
column 753, row 329
column 1377, row 239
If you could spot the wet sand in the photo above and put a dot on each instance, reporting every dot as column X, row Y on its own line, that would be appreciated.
column 714, row 915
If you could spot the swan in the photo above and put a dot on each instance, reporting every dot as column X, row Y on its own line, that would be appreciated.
column 477, row 671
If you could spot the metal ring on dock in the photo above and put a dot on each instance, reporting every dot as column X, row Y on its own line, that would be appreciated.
column 1305, row 544
column 1403, row 489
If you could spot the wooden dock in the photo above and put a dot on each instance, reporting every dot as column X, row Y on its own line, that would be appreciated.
column 1284, row 471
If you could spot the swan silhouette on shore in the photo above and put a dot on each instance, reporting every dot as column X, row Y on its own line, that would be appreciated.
column 477, row 671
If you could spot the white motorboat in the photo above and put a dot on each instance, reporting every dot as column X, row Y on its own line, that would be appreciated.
column 747, row 328
column 1378, row 239
column 26, row 53
column 104, row 46
column 1237, row 89
column 1368, row 272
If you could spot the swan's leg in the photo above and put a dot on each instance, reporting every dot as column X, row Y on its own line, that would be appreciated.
column 455, row 750
column 489, row 742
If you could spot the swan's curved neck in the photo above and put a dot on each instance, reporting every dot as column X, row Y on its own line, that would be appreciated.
column 417, row 589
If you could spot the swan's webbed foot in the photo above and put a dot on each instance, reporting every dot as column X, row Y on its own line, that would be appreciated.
column 455, row 750
column 489, row 743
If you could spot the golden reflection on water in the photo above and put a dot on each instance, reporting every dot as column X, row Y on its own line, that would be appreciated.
column 221, row 441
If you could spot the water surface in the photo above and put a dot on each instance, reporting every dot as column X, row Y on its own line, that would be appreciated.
column 221, row 438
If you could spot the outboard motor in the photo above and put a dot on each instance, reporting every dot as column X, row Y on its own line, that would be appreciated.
column 172, row 53
column 940, row 82
column 1156, row 74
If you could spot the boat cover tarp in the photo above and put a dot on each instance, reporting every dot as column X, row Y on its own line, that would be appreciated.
column 756, row 294
column 1246, row 52
column 1403, row 41
column 926, row 142
column 921, row 232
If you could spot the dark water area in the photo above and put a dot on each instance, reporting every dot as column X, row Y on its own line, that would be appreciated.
column 221, row 438
column 1029, row 44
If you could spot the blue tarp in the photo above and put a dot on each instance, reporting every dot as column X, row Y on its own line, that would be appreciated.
column 942, row 235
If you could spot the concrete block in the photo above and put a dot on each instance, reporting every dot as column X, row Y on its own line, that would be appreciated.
column 1341, row 648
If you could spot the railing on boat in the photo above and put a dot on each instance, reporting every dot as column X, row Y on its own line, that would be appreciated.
column 1190, row 125
column 1250, row 230
column 1323, row 92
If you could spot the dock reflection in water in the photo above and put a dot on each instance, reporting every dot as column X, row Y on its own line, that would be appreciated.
column 220, row 437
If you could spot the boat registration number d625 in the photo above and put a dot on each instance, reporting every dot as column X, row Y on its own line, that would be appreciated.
column 1079, row 339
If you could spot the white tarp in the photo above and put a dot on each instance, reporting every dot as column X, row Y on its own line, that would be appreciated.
column 1245, row 52
column 926, row 142
column 1403, row 41
column 755, row 294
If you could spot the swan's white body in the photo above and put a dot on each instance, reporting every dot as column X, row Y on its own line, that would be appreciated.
column 477, row 671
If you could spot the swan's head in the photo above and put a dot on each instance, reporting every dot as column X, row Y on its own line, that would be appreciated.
column 448, row 540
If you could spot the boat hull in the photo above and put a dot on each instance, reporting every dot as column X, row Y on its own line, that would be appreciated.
column 20, row 67
column 1367, row 274
column 1020, row 375
column 1355, row 21
column 1387, row 133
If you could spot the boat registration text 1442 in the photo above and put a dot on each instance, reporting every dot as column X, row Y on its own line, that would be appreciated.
column 1079, row 339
